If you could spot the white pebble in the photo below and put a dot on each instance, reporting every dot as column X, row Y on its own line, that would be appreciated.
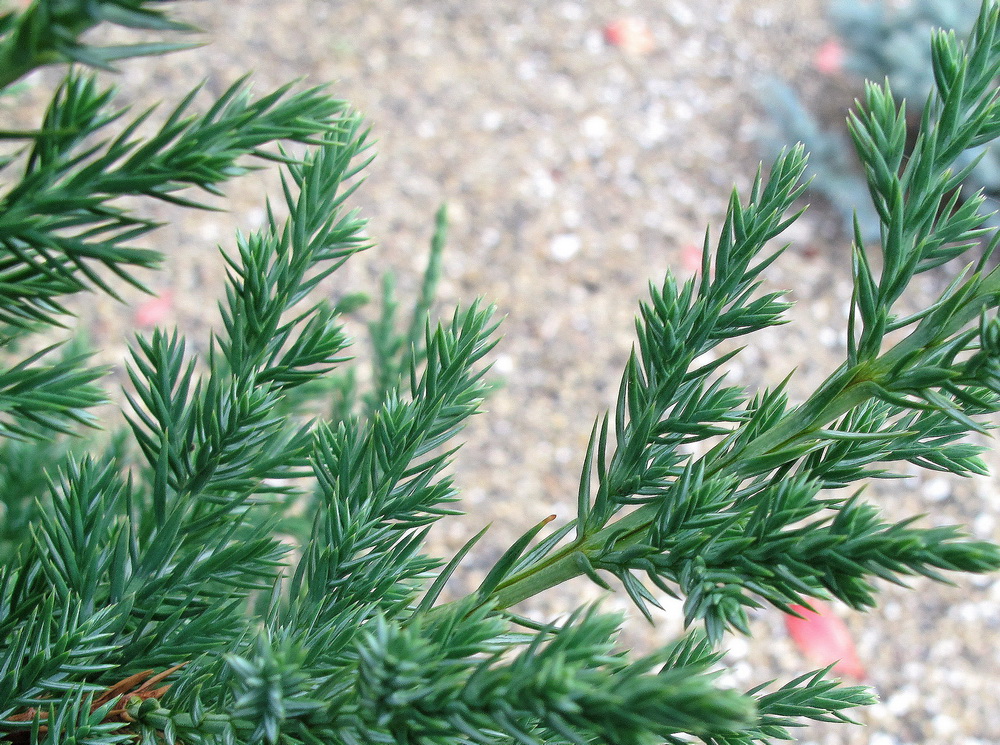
column 681, row 14
column 571, row 218
column 984, row 526
column 595, row 127
column 593, row 42
column 255, row 218
column 490, row 237
column 491, row 121
column 543, row 183
column 936, row 489
column 882, row 738
column 902, row 701
column 737, row 647
column 565, row 246
column 944, row 725
column 504, row 364
column 654, row 131
column 571, row 11
column 426, row 129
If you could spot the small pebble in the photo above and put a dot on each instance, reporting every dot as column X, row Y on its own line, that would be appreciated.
column 595, row 127
column 936, row 489
column 565, row 246
column 944, row 724
column 902, row 701
column 491, row 121
column 882, row 738
column 504, row 364
column 985, row 525
column 737, row 647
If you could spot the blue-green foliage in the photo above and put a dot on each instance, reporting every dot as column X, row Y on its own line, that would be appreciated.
column 881, row 40
column 244, row 561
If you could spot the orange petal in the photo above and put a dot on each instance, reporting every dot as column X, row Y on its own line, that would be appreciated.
column 824, row 639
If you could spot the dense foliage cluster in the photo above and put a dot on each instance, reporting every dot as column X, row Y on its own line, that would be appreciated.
column 232, row 567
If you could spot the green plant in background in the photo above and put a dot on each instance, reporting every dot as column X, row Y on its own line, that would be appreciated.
column 879, row 42
column 150, row 597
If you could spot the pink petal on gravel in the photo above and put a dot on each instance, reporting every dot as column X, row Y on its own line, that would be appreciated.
column 631, row 35
column 691, row 257
column 824, row 639
column 829, row 58
column 154, row 311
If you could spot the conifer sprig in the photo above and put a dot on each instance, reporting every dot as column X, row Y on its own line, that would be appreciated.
column 701, row 519
column 61, row 222
column 157, row 598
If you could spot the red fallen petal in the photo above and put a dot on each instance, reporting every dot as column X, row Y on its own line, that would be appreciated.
column 829, row 58
column 631, row 35
column 154, row 311
column 824, row 638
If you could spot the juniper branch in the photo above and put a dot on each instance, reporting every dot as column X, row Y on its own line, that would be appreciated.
column 921, row 380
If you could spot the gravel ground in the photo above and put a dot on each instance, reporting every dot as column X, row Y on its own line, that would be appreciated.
column 574, row 172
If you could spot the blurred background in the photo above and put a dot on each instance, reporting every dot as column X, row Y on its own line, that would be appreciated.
column 582, row 149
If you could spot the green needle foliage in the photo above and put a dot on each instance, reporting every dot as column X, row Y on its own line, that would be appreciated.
column 242, row 561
